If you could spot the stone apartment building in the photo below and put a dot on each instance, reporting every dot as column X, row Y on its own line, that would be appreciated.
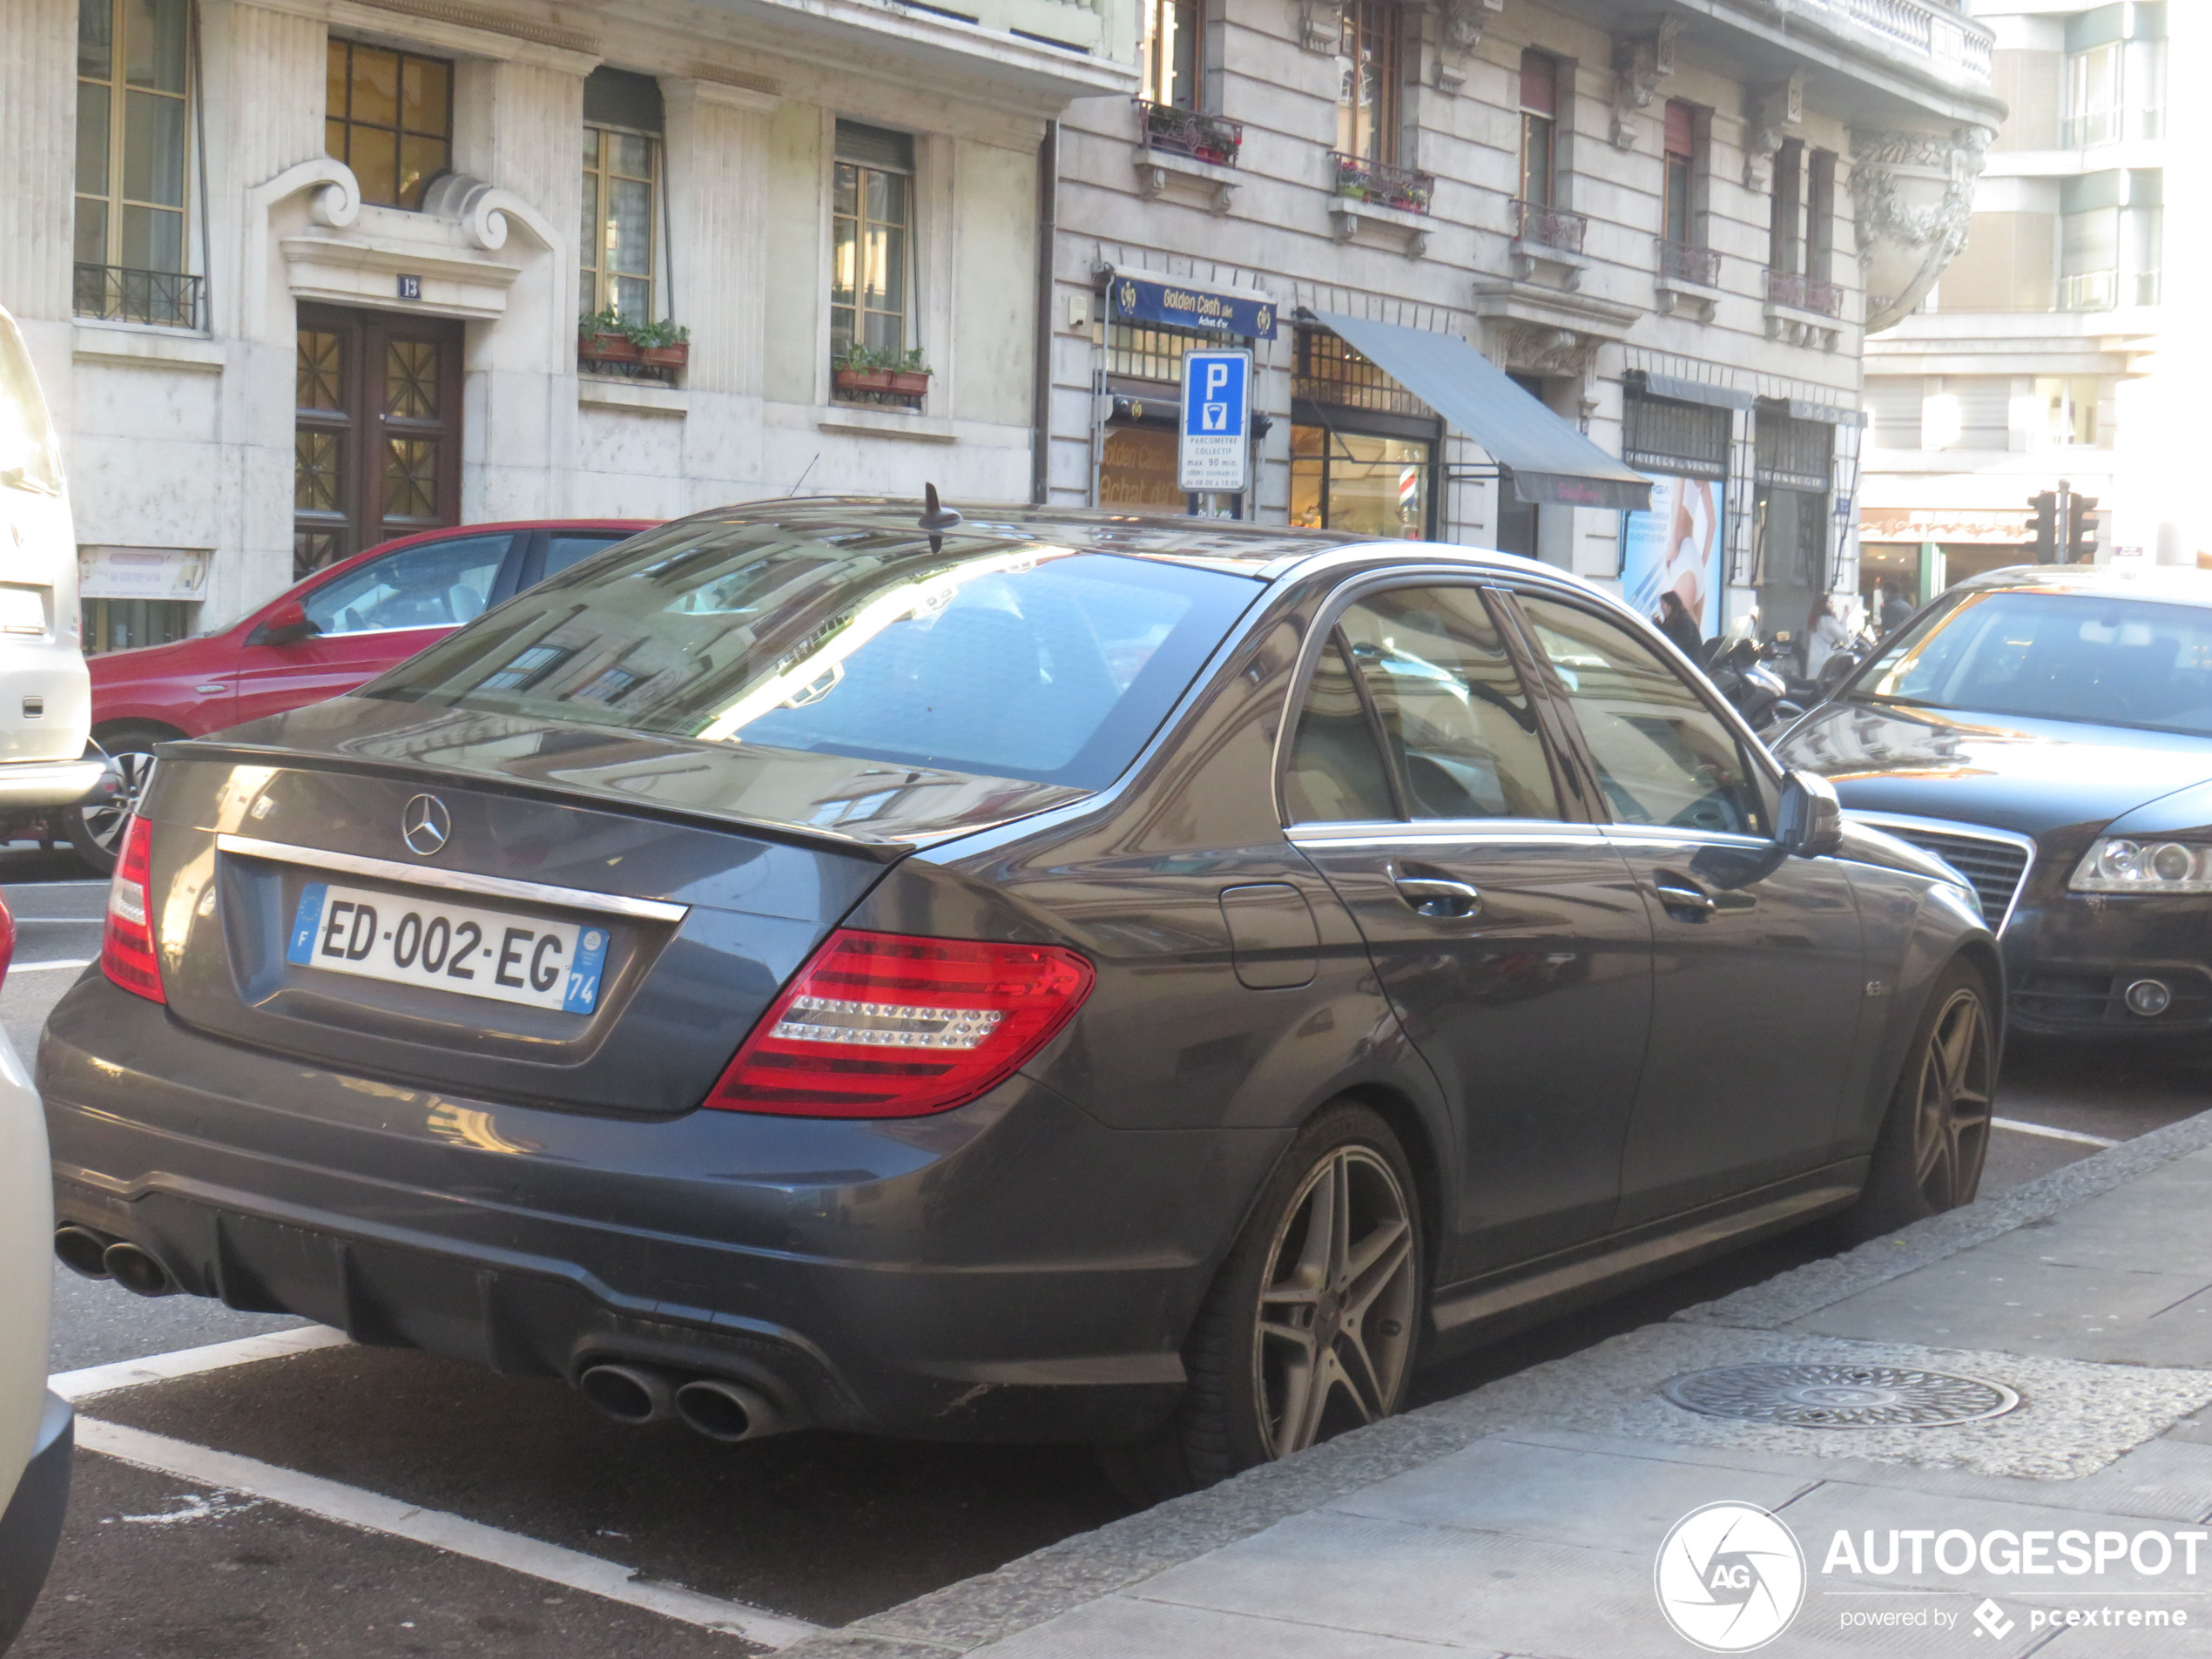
column 300, row 275
column 1673, row 225
column 2059, row 346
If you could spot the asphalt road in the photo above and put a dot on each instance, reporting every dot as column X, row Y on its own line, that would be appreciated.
column 815, row 1527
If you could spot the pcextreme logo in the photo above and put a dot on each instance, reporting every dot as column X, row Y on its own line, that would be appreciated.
column 1730, row 1577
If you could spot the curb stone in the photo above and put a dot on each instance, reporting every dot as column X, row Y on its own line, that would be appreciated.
column 1040, row 1586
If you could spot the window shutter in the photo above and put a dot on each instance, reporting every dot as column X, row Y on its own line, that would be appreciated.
column 875, row 146
column 1539, row 83
column 1682, row 129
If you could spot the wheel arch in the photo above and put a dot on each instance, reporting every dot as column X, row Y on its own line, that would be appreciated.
column 1423, row 1155
column 134, row 724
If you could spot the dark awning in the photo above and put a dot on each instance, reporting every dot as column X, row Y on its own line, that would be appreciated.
column 1551, row 461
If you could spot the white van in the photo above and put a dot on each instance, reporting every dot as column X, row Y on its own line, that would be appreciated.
column 45, row 695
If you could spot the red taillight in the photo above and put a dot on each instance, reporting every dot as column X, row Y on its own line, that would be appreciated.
column 7, row 941
column 126, row 949
column 882, row 1025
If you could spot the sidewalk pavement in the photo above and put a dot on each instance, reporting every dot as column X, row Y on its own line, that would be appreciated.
column 1527, row 1517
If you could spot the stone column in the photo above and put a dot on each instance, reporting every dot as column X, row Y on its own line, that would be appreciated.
column 37, row 160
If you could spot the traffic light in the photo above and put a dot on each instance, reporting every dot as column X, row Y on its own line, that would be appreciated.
column 2079, row 534
column 2046, row 506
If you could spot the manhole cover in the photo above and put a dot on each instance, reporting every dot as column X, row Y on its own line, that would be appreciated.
column 1840, row 1396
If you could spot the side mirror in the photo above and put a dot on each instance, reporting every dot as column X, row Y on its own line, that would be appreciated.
column 286, row 625
column 1812, row 818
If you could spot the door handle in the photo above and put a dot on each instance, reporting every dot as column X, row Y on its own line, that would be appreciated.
column 1682, row 898
column 1437, row 897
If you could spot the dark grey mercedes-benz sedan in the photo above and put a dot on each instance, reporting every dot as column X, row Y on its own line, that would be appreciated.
column 1041, row 976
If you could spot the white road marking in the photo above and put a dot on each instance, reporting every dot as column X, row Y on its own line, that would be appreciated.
column 370, row 1512
column 32, row 968
column 77, row 1386
column 2050, row 1134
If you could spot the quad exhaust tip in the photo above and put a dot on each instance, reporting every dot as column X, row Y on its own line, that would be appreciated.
column 728, row 1410
column 83, row 1251
column 637, row 1395
column 137, row 1271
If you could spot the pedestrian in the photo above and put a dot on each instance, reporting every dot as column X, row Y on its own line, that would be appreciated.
column 1675, row 622
column 1897, row 609
column 1824, row 633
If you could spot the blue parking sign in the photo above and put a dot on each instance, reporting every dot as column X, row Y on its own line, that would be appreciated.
column 1215, row 453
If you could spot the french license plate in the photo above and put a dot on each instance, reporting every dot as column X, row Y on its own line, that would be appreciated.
column 449, row 947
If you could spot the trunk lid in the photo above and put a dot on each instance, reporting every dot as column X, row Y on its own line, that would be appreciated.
column 710, row 873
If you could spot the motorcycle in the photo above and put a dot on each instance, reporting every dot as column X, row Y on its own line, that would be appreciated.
column 1740, row 668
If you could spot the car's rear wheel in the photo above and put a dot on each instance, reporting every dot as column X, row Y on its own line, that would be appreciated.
column 95, row 832
column 1933, row 1144
column 1312, row 1322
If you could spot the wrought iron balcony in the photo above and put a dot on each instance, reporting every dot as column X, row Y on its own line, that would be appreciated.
column 1805, row 294
column 1185, row 133
column 1548, row 227
column 1404, row 188
column 1680, row 262
column 117, row 294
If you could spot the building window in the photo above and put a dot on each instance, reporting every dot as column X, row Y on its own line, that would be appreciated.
column 388, row 117
column 2093, row 95
column 1173, row 57
column 2067, row 407
column 1820, row 215
column 621, row 179
column 1363, row 448
column 1330, row 371
column 1146, row 351
column 1371, row 81
column 1539, row 129
column 1681, row 142
column 871, row 243
column 133, row 126
column 1785, row 210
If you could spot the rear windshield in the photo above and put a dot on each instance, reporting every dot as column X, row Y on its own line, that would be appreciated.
column 985, row 654
column 2055, row 657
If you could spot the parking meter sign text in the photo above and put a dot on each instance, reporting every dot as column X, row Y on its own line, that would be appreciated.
column 1215, row 452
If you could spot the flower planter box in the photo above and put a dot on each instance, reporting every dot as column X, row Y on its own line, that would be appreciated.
column 910, row 382
column 609, row 349
column 666, row 356
column 864, row 380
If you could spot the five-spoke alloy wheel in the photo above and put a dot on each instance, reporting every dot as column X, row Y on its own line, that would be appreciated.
column 1936, row 1137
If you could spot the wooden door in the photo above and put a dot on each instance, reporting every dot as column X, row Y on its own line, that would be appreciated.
column 377, row 444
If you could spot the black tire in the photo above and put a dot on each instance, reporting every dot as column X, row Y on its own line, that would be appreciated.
column 1935, row 1137
column 96, row 833
column 1349, row 1308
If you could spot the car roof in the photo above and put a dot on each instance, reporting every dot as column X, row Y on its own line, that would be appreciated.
column 2172, row 584
column 1261, row 551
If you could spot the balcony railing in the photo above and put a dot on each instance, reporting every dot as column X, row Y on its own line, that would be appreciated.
column 1548, row 227
column 2089, row 291
column 2146, row 286
column 1680, row 262
column 1805, row 293
column 1404, row 188
column 1936, row 30
column 1186, row 132
column 115, row 293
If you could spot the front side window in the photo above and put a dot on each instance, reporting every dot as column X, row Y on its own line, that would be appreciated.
column 985, row 653
column 872, row 244
column 438, row 585
column 1172, row 52
column 388, row 116
column 133, row 149
column 619, row 244
column 1662, row 755
column 1371, row 81
column 2055, row 657
column 1538, row 128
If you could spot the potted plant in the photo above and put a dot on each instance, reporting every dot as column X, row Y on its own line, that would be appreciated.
column 909, row 375
column 1412, row 199
column 665, row 344
column 1353, row 179
column 862, row 370
column 601, row 337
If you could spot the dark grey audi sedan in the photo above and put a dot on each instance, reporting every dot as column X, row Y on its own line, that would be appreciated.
column 1037, row 977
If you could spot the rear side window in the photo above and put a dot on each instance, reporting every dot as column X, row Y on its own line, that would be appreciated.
column 564, row 547
column 439, row 584
column 1662, row 755
column 1336, row 772
column 975, row 652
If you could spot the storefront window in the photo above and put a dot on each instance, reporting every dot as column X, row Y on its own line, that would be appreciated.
column 388, row 116
column 1789, row 519
column 1139, row 469
column 1360, row 482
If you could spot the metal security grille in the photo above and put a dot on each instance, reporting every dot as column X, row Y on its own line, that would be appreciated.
column 1791, row 453
column 1329, row 371
column 1145, row 352
column 1996, row 868
column 1691, row 439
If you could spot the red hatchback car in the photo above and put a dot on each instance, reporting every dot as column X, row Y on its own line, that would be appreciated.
column 322, row 636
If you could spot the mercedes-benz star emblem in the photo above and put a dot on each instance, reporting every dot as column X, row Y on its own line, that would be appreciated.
column 425, row 825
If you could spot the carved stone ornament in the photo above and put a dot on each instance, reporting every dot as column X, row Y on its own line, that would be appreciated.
column 1774, row 113
column 1461, row 22
column 1912, row 194
column 1536, row 349
column 1319, row 24
column 1639, row 64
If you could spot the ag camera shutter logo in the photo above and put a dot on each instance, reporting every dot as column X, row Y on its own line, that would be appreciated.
column 1730, row 1577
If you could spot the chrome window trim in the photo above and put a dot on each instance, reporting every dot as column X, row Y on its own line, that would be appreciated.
column 1964, row 830
column 420, row 875
column 1442, row 831
column 1620, row 830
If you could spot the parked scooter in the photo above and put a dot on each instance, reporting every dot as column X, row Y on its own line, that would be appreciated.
column 1742, row 670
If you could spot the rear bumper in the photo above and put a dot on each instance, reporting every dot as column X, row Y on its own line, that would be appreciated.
column 31, row 1524
column 1013, row 1270
column 48, row 782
